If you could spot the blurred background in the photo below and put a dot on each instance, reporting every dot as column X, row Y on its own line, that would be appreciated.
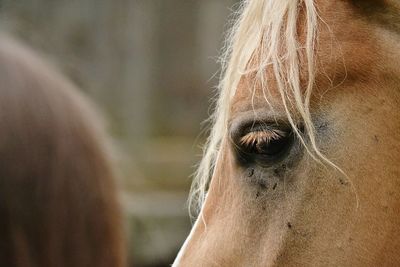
column 151, row 66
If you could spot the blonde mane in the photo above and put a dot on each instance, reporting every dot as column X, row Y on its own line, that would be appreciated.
column 270, row 29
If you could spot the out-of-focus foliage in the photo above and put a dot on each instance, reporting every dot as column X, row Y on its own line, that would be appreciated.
column 150, row 65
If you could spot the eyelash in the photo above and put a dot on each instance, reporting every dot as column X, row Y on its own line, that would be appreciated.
column 256, row 137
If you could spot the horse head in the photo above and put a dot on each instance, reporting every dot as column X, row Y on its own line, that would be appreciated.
column 302, row 164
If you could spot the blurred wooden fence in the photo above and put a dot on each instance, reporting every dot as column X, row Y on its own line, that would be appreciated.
column 149, row 64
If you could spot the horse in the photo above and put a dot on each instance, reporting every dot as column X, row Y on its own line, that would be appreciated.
column 301, row 167
column 58, row 199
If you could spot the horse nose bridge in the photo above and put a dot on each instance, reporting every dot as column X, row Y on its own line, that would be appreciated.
column 186, row 247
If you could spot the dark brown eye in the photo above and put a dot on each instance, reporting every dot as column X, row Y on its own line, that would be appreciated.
column 264, row 146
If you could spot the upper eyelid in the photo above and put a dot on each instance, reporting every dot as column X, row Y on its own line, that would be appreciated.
column 256, row 116
column 242, row 126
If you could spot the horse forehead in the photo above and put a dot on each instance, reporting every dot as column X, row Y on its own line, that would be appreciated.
column 347, row 48
column 249, row 95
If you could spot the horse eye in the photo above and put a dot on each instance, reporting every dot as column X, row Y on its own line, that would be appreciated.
column 264, row 147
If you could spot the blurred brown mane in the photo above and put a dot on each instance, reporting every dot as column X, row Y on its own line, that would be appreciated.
column 58, row 203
